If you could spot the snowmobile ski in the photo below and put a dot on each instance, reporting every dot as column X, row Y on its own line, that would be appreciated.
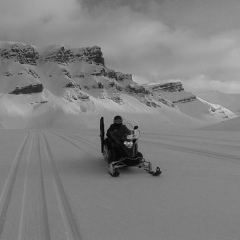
column 115, row 173
column 156, row 173
column 112, row 171
column 149, row 169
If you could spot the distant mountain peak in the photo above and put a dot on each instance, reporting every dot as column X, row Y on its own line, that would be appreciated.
column 28, row 54
column 35, row 81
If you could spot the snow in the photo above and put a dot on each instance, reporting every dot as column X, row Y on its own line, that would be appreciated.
column 54, row 182
column 166, row 108
column 230, row 101
column 54, row 185
column 231, row 125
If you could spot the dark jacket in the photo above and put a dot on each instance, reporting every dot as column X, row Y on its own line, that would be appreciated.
column 116, row 133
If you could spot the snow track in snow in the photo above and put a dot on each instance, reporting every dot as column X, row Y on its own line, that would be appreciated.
column 71, row 222
column 34, row 223
column 53, row 186
column 9, row 185
column 33, row 200
column 82, row 140
column 192, row 150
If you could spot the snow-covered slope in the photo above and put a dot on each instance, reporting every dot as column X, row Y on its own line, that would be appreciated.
column 232, row 125
column 230, row 101
column 60, row 86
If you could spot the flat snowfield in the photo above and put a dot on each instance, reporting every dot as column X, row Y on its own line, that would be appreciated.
column 54, row 185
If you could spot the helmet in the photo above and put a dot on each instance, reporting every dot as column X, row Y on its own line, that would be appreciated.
column 118, row 120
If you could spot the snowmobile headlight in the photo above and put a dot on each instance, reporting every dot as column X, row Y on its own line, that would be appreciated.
column 128, row 144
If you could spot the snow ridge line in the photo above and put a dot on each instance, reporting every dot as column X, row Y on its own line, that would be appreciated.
column 85, row 141
column 170, row 138
column 81, row 140
column 68, row 214
column 34, row 222
column 24, row 190
column 67, row 140
column 8, row 188
column 45, row 213
column 192, row 150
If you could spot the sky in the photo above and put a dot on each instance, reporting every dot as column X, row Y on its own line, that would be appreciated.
column 193, row 41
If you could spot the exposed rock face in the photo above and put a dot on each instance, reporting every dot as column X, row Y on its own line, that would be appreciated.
column 60, row 56
column 23, row 54
column 168, row 87
column 36, row 88
column 32, row 73
column 187, row 99
column 7, row 73
column 96, row 77
column 136, row 89
column 78, row 76
column 169, row 94
column 73, row 85
column 66, row 73
column 91, row 55
column 27, row 54
column 118, row 76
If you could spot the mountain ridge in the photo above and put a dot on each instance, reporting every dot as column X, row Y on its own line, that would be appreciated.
column 76, row 82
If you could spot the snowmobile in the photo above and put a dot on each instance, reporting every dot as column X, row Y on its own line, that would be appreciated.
column 127, row 152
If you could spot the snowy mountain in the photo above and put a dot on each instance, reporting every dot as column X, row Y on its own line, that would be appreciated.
column 54, row 182
column 230, row 101
column 42, row 87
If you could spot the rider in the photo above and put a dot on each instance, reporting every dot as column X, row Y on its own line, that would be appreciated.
column 115, row 135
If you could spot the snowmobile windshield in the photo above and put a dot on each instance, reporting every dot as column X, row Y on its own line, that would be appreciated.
column 130, row 133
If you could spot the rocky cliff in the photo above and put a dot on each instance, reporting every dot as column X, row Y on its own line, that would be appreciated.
column 63, row 55
column 79, row 78
column 28, row 54
column 167, row 93
column 37, row 88
column 24, row 54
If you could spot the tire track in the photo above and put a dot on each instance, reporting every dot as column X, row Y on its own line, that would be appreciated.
column 193, row 141
column 192, row 150
column 81, row 140
column 34, row 219
column 8, row 188
column 70, row 221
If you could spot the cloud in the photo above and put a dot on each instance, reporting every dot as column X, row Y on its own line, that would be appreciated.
column 154, row 40
column 135, row 5
column 26, row 20
column 203, row 83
